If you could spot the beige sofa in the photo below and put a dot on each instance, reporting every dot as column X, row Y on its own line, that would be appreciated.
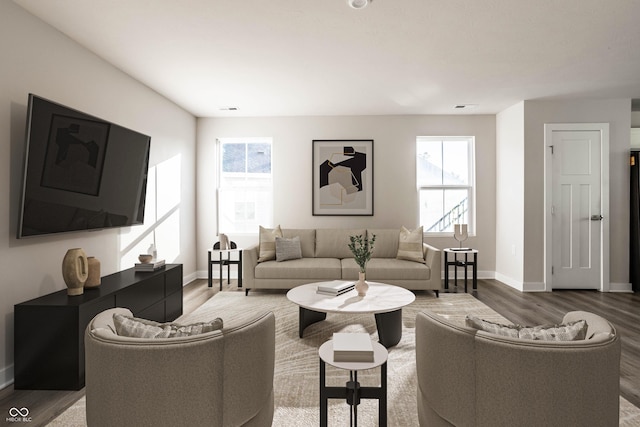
column 468, row 377
column 326, row 256
column 218, row 378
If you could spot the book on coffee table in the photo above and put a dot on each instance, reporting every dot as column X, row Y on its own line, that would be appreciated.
column 337, row 287
column 352, row 347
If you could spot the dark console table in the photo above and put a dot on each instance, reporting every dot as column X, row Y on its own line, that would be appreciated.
column 49, row 330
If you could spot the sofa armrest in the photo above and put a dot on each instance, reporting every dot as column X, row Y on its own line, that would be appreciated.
column 249, row 262
column 432, row 258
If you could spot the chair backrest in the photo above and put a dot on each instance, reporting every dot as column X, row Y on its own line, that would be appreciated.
column 470, row 377
column 180, row 381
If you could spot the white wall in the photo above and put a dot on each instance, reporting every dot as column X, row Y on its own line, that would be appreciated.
column 616, row 112
column 510, row 196
column 395, row 198
column 38, row 59
column 635, row 119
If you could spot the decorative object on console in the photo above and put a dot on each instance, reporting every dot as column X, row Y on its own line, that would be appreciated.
column 93, row 278
column 460, row 233
column 75, row 271
column 145, row 258
column 153, row 251
column 342, row 177
column 362, row 249
column 152, row 265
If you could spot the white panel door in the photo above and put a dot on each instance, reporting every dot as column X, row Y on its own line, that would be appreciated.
column 576, row 210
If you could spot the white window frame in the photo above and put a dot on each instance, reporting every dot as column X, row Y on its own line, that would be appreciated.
column 266, row 211
column 470, row 187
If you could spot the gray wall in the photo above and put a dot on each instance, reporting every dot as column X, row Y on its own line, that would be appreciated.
column 396, row 196
column 38, row 59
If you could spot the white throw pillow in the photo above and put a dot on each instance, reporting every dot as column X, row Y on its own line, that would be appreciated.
column 268, row 243
column 410, row 245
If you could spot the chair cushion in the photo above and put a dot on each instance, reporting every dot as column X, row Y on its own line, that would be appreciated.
column 268, row 243
column 410, row 245
column 135, row 327
column 287, row 249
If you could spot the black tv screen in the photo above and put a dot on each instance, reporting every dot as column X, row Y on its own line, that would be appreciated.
column 81, row 172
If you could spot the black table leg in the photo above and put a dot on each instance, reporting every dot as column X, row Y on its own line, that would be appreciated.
column 210, row 269
column 446, row 271
column 240, row 269
column 389, row 327
column 308, row 317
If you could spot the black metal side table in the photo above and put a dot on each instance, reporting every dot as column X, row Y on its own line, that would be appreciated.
column 455, row 252
column 352, row 391
column 225, row 261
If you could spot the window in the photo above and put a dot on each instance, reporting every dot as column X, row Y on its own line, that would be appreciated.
column 446, row 180
column 245, row 189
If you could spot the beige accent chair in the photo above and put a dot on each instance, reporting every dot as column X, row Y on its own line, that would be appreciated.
column 219, row 378
column 468, row 377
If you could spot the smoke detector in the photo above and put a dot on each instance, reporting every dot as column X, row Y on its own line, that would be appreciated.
column 358, row 4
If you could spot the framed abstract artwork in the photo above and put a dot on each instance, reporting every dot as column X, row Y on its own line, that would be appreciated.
column 342, row 177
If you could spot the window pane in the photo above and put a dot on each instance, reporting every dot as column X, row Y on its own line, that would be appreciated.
column 455, row 161
column 429, row 162
column 259, row 158
column 233, row 157
column 440, row 209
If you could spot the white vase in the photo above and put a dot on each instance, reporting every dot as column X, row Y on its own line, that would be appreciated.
column 361, row 286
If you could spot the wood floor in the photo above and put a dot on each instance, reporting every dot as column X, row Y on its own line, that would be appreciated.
column 622, row 309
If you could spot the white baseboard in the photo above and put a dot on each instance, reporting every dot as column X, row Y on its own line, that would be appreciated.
column 189, row 278
column 620, row 287
column 6, row 376
column 204, row 274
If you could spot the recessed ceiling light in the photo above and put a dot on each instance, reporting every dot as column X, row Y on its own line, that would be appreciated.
column 229, row 109
column 358, row 4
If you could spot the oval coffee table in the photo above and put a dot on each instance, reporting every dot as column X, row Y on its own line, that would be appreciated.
column 382, row 300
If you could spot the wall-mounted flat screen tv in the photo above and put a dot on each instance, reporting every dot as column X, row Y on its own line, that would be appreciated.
column 81, row 172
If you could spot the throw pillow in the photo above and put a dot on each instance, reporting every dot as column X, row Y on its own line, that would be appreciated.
column 141, row 328
column 268, row 243
column 571, row 331
column 492, row 327
column 410, row 245
column 287, row 249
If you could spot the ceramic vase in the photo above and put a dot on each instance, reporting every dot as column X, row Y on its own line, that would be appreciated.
column 93, row 278
column 361, row 286
column 75, row 271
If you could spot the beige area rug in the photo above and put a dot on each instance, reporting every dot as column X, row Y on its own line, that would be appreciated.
column 296, row 379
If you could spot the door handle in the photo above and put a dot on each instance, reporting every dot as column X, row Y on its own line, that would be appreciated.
column 596, row 217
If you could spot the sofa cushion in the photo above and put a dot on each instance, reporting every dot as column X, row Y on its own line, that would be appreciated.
column 386, row 245
column 315, row 269
column 333, row 242
column 410, row 245
column 142, row 328
column 268, row 243
column 288, row 249
column 386, row 269
column 307, row 239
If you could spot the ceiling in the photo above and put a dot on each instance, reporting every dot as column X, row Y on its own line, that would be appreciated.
column 302, row 57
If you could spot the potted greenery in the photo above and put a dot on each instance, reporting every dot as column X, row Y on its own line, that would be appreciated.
column 362, row 248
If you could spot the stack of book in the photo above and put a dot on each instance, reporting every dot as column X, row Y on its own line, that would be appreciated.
column 154, row 265
column 334, row 288
column 355, row 347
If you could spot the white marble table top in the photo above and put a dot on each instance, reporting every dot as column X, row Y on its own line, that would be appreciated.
column 380, row 298
column 380, row 355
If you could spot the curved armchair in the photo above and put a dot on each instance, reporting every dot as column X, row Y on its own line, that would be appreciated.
column 468, row 377
column 219, row 378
